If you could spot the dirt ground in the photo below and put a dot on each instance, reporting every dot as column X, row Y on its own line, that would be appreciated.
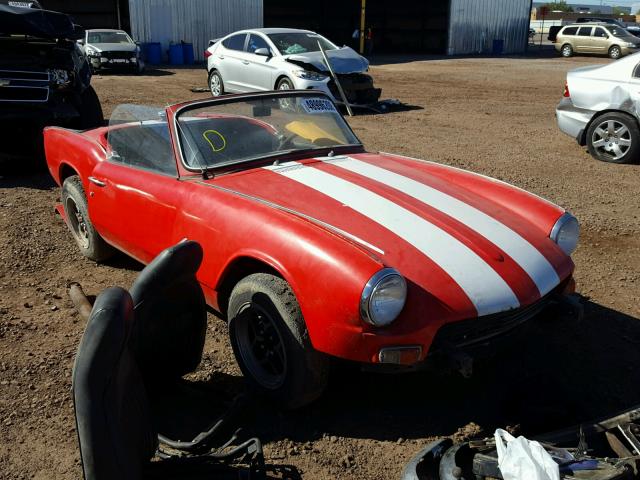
column 490, row 115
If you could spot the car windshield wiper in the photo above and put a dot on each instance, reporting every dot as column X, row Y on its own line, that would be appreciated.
column 280, row 153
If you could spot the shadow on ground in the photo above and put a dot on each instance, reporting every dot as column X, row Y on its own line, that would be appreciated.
column 558, row 376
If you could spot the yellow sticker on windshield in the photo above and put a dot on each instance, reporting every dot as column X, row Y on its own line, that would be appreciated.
column 220, row 142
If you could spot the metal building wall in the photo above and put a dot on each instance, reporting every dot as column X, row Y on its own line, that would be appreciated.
column 475, row 24
column 191, row 21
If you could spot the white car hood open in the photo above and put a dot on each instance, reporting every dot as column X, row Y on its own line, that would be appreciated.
column 343, row 60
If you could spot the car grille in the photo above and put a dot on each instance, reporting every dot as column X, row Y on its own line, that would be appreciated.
column 118, row 55
column 24, row 86
column 471, row 332
column 358, row 88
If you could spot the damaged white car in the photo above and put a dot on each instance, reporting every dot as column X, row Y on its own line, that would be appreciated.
column 283, row 59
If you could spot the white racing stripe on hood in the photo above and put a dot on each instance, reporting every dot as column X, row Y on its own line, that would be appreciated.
column 487, row 290
column 520, row 250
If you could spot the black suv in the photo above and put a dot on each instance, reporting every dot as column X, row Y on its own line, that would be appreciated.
column 44, row 78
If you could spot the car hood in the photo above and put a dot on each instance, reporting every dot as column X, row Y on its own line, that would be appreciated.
column 37, row 23
column 343, row 60
column 469, row 250
column 114, row 47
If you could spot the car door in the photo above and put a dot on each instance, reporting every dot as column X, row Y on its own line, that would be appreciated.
column 583, row 40
column 259, row 70
column 599, row 40
column 229, row 60
column 134, row 194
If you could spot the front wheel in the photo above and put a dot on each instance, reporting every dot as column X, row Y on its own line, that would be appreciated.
column 271, row 343
column 88, row 239
column 615, row 52
column 567, row 50
column 614, row 137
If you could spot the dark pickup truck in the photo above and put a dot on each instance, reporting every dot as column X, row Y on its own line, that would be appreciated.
column 44, row 78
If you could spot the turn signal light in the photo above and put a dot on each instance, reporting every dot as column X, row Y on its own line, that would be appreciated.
column 406, row 355
column 566, row 90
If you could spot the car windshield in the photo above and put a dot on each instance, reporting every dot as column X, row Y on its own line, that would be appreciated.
column 240, row 130
column 299, row 42
column 619, row 32
column 109, row 37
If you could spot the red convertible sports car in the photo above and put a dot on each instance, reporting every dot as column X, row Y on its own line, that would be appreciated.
column 313, row 247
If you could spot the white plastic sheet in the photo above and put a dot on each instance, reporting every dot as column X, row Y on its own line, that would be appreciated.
column 522, row 459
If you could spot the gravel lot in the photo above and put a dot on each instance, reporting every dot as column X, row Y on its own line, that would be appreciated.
column 490, row 115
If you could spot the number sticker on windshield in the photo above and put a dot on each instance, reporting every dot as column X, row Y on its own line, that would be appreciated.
column 318, row 105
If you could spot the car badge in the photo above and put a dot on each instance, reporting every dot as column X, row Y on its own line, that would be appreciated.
column 4, row 82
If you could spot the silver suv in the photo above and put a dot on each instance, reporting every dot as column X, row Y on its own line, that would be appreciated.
column 596, row 38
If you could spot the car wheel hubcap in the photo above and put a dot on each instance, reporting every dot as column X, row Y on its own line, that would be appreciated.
column 260, row 346
column 615, row 53
column 566, row 51
column 285, row 103
column 612, row 139
column 78, row 224
column 215, row 85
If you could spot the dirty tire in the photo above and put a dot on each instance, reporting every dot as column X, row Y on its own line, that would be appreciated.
column 267, row 330
column 615, row 52
column 90, row 111
column 216, row 85
column 626, row 131
column 566, row 50
column 89, row 241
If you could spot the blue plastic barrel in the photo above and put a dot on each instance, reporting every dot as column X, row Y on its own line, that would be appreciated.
column 187, row 53
column 154, row 53
column 175, row 54
column 498, row 46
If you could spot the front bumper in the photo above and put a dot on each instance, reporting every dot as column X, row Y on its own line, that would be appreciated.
column 358, row 88
column 572, row 120
column 629, row 50
column 98, row 63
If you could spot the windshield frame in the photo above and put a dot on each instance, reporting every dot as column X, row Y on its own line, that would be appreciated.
column 114, row 32
column 625, row 33
column 358, row 147
column 303, row 32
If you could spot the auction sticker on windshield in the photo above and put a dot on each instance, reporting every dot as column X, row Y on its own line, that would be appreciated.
column 318, row 105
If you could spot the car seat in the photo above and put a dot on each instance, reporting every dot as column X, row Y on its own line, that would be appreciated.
column 117, row 424
column 170, row 310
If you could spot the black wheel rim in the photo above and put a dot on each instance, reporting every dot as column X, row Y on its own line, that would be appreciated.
column 261, row 346
column 77, row 223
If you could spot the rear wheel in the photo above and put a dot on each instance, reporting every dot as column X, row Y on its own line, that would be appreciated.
column 614, row 137
column 567, row 50
column 615, row 52
column 271, row 342
column 88, row 239
column 216, row 86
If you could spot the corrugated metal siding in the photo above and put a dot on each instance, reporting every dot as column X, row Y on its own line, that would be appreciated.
column 191, row 21
column 475, row 24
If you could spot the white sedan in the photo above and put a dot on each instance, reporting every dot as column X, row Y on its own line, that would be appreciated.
column 282, row 59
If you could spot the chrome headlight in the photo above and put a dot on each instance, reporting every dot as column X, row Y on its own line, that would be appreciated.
column 308, row 75
column 60, row 78
column 566, row 233
column 383, row 297
column 92, row 51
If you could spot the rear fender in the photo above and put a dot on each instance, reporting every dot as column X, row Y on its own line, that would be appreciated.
column 70, row 152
